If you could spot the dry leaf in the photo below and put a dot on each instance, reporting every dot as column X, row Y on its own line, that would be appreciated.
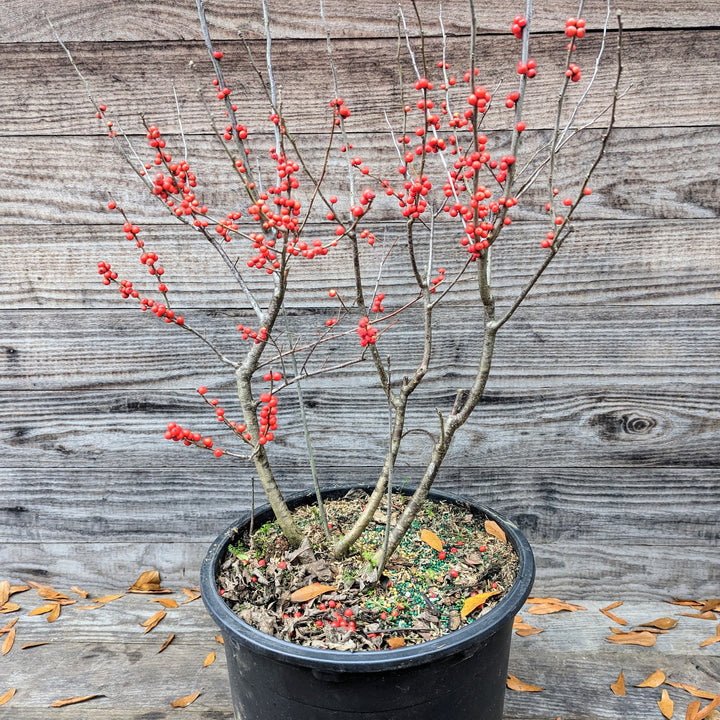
column 8, row 641
column 523, row 629
column 514, row 684
column 220, row 639
column 148, row 582
column 395, row 642
column 153, row 621
column 187, row 700
column 107, row 598
column 666, row 705
column 193, row 594
column 547, row 606
column 475, row 601
column 692, row 689
column 74, row 700
column 54, row 614
column 8, row 626
column 663, row 623
column 18, row 589
column 42, row 609
column 702, row 714
column 210, row 659
column 166, row 643
column 713, row 604
column 9, row 607
column 492, row 528
column 618, row 687
column 4, row 591
column 79, row 591
column 431, row 539
column 710, row 641
column 7, row 696
column 606, row 611
column 634, row 637
column 701, row 616
column 309, row 592
column 685, row 602
column 33, row 644
column 654, row 680
column 692, row 709
column 166, row 602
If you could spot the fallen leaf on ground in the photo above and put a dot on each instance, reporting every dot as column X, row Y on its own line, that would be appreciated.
column 153, row 620
column 606, row 611
column 74, row 700
column 686, row 602
column 220, row 639
column 395, row 642
column 7, row 696
column 108, row 598
column 431, row 539
column 634, row 637
column 166, row 643
column 8, row 626
column 713, row 605
column 54, row 614
column 549, row 605
column 711, row 640
column 9, row 607
column 8, row 641
column 652, row 681
column 42, row 609
column 475, row 601
column 524, row 629
column 79, row 591
column 701, row 616
column 492, row 528
column 514, row 684
column 148, row 582
column 210, row 659
column 692, row 709
column 309, row 592
column 618, row 687
column 27, row 646
column 187, row 700
column 663, row 623
column 166, row 602
column 4, row 591
column 692, row 689
column 192, row 593
column 704, row 712
column 666, row 705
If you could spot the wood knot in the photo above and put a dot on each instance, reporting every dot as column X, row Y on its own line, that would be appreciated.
column 618, row 425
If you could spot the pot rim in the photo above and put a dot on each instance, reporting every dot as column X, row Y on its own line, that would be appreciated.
column 337, row 661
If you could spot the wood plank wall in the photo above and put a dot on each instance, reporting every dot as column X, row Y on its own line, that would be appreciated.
column 600, row 431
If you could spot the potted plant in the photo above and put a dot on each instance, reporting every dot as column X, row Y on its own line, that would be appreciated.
column 425, row 223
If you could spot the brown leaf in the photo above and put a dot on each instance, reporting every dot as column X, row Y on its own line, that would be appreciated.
column 618, row 687
column 713, row 604
column 666, row 705
column 50, row 593
column 692, row 689
column 33, row 644
column 663, row 623
column 166, row 643
column 685, row 602
column 187, row 700
column 309, row 592
column 153, row 620
column 692, row 710
column 475, row 601
column 547, row 606
column 606, row 611
column 18, row 589
column 634, row 637
column 148, row 582
column 54, row 614
column 166, row 602
column 701, row 616
column 74, row 700
column 652, row 681
column 524, row 629
column 7, row 696
column 210, row 659
column 431, row 539
column 9, row 607
column 42, row 609
column 514, row 684
column 107, row 598
column 220, row 639
column 8, row 626
column 492, row 528
column 395, row 642
column 79, row 591
column 710, row 641
column 193, row 594
column 702, row 714
column 8, row 641
column 4, row 591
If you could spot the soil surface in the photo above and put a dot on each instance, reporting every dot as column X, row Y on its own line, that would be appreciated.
column 448, row 562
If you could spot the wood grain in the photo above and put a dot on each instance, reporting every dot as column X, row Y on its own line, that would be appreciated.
column 604, row 263
column 134, row 20
column 119, row 80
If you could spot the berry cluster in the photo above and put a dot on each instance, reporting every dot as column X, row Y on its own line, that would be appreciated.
column 177, row 433
column 162, row 311
column 377, row 306
column 257, row 335
column 366, row 332
column 575, row 28
column 340, row 110
column 573, row 72
column 528, row 69
column 518, row 23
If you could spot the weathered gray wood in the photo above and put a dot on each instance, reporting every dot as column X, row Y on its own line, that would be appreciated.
column 141, row 20
column 303, row 74
column 568, row 347
column 604, row 263
column 113, row 656
column 634, row 181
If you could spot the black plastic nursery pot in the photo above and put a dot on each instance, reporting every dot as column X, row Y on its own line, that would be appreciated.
column 459, row 676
